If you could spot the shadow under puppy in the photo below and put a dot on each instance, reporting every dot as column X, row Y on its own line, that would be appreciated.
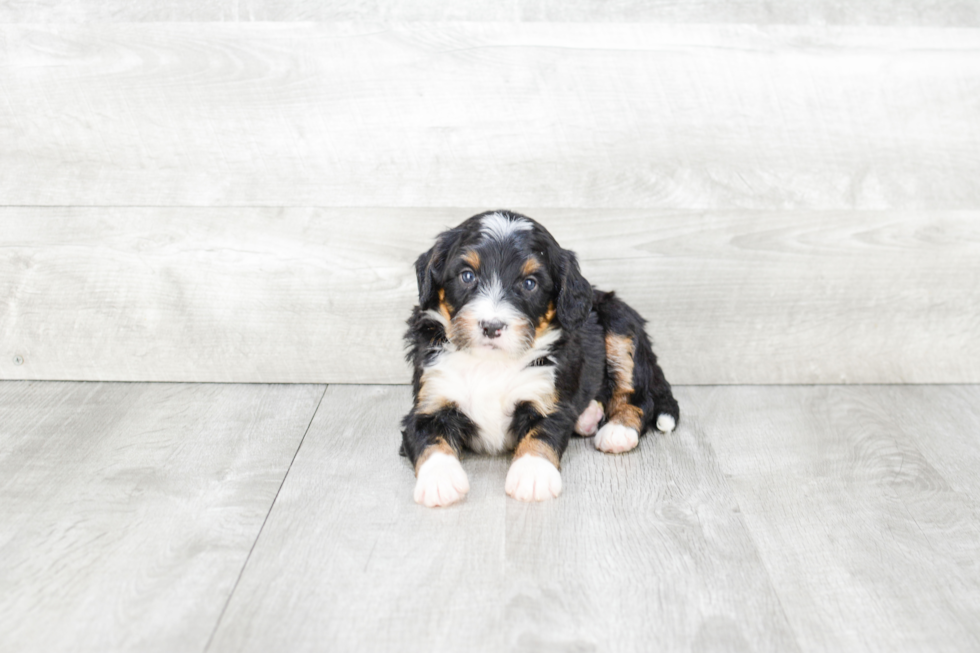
column 514, row 350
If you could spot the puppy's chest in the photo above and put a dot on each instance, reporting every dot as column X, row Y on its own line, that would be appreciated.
column 488, row 389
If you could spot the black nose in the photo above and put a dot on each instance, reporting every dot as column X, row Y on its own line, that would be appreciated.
column 492, row 329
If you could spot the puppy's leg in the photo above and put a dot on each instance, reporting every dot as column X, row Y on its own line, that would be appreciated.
column 433, row 442
column 622, row 431
column 533, row 474
column 651, row 392
column 637, row 393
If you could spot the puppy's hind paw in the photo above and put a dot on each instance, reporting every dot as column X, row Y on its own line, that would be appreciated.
column 665, row 423
column 532, row 478
column 589, row 420
column 441, row 481
column 616, row 438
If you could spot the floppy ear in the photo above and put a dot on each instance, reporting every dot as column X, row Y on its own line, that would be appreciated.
column 429, row 267
column 425, row 272
column 574, row 292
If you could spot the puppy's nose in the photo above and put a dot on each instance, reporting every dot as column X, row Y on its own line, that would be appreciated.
column 492, row 329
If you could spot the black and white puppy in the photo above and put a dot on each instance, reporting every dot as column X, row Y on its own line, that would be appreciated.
column 514, row 350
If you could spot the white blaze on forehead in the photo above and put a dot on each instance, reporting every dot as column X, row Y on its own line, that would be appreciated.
column 500, row 227
column 489, row 305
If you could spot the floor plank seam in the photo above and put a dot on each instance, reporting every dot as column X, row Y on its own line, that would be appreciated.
column 764, row 563
column 258, row 535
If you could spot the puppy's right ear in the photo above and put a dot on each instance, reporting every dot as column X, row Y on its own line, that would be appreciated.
column 429, row 267
column 425, row 271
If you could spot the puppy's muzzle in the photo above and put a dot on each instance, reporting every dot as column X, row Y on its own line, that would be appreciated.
column 492, row 329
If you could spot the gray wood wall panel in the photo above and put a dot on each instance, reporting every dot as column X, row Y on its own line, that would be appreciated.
column 953, row 13
column 321, row 295
column 642, row 551
column 489, row 114
column 870, row 543
column 127, row 510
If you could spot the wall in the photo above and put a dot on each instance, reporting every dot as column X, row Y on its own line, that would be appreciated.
column 234, row 191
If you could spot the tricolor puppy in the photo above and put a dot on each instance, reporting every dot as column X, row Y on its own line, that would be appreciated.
column 514, row 350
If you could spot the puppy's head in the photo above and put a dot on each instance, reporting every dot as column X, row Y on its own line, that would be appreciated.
column 499, row 281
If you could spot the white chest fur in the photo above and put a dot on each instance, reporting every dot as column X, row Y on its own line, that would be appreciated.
column 487, row 387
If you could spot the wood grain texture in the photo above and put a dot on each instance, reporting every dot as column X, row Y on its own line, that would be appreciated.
column 774, row 518
column 127, row 511
column 870, row 545
column 953, row 13
column 321, row 295
column 642, row 551
column 489, row 114
column 945, row 425
column 348, row 561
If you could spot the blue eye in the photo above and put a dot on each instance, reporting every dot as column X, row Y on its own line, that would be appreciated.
column 467, row 277
column 529, row 284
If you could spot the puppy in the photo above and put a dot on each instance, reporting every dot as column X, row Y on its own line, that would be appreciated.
column 514, row 350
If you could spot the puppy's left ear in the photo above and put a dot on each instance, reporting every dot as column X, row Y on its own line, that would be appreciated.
column 574, row 292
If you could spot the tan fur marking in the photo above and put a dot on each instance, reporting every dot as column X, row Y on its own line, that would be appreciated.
column 472, row 258
column 545, row 322
column 629, row 415
column 460, row 329
column 426, row 403
column 530, row 266
column 444, row 308
column 619, row 356
column 546, row 404
column 441, row 446
column 532, row 445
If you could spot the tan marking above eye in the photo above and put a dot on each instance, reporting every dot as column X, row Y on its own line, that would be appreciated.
column 472, row 258
column 531, row 266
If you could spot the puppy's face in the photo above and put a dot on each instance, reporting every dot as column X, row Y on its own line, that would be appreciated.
column 498, row 281
column 498, row 290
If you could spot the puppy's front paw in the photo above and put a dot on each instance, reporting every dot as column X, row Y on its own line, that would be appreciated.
column 616, row 438
column 532, row 478
column 441, row 481
column 665, row 423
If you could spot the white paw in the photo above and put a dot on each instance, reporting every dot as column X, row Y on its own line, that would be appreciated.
column 665, row 423
column 589, row 420
column 532, row 478
column 616, row 438
column 441, row 481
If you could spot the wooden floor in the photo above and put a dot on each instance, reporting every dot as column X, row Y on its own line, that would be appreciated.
column 205, row 517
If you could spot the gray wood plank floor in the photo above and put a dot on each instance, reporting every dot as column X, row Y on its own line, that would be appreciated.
column 127, row 511
column 220, row 517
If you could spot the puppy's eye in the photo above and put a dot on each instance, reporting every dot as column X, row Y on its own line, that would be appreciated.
column 529, row 284
column 467, row 277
